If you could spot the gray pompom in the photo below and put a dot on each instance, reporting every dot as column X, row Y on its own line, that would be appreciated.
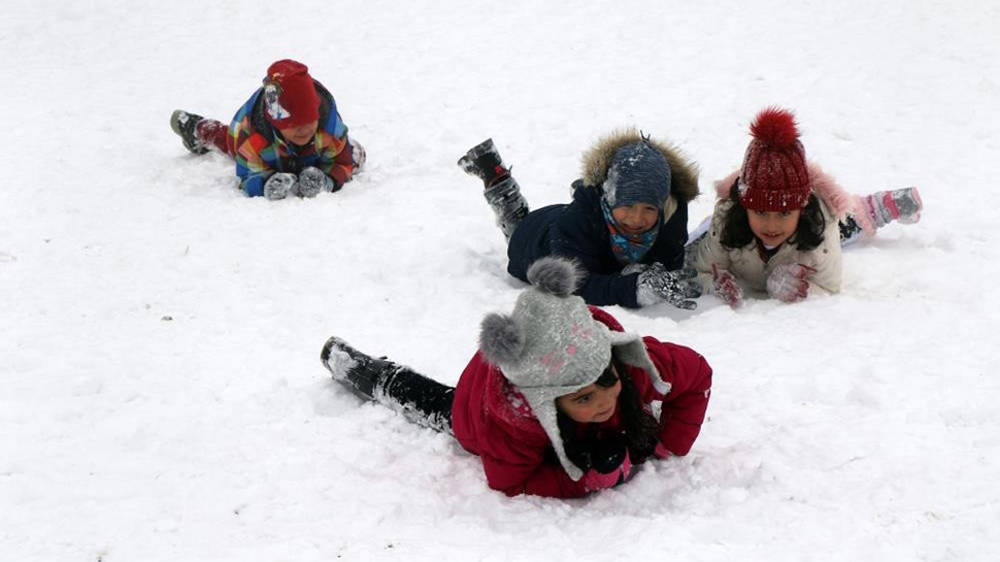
column 557, row 276
column 501, row 340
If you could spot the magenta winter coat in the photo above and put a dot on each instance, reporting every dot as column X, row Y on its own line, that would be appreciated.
column 492, row 420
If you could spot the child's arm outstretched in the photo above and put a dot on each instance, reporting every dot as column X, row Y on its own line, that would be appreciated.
column 338, row 162
column 622, row 287
column 602, row 289
column 690, row 378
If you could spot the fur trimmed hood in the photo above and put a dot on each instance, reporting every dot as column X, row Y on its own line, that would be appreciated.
column 597, row 160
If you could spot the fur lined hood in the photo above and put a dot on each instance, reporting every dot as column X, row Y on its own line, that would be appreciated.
column 597, row 160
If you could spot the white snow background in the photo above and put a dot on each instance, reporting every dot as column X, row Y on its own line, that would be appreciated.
column 162, row 396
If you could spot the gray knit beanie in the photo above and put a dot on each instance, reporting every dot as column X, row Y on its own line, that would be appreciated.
column 639, row 173
column 550, row 346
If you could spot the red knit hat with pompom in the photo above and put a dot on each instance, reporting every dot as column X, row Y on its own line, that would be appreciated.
column 774, row 175
column 290, row 97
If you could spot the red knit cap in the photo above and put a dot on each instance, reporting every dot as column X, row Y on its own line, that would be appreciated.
column 774, row 175
column 289, row 95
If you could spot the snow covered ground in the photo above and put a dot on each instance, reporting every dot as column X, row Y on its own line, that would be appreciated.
column 161, row 396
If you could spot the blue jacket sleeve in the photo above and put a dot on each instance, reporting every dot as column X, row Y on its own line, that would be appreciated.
column 253, row 185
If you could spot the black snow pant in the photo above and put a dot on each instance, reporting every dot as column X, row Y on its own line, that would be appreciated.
column 422, row 400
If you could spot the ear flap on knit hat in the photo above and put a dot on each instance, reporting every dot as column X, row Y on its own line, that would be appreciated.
column 290, row 97
column 774, row 176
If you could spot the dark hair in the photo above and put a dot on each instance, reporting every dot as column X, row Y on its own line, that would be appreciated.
column 640, row 426
column 736, row 231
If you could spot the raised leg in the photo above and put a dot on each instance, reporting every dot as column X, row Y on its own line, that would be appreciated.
column 185, row 125
column 872, row 212
column 199, row 134
column 502, row 191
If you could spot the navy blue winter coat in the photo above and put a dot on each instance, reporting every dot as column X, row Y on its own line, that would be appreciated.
column 577, row 230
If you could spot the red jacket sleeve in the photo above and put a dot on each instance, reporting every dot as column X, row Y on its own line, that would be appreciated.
column 342, row 167
column 525, row 465
column 690, row 379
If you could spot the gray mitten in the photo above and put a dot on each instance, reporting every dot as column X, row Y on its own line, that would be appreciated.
column 312, row 180
column 279, row 185
column 656, row 284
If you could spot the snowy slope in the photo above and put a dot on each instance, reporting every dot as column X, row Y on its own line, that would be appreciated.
column 162, row 397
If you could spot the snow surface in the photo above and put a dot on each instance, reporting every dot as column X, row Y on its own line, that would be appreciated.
column 162, row 396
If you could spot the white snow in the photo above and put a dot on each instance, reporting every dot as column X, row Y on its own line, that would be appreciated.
column 162, row 396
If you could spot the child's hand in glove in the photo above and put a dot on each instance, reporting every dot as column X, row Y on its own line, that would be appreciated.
column 726, row 288
column 279, row 185
column 611, row 463
column 312, row 180
column 788, row 282
column 656, row 284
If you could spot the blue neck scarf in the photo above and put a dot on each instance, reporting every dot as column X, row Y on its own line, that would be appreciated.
column 628, row 248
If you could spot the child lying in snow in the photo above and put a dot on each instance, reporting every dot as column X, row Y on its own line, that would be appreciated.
column 626, row 225
column 775, row 227
column 556, row 402
column 287, row 138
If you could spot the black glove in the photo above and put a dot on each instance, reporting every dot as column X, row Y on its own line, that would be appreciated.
column 607, row 454
column 656, row 284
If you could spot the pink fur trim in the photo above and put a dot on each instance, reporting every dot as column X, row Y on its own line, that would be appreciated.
column 839, row 201
column 723, row 186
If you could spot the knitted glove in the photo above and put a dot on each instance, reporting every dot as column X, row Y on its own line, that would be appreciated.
column 788, row 282
column 312, row 180
column 656, row 284
column 726, row 288
column 279, row 185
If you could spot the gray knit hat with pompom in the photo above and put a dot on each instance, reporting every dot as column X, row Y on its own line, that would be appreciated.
column 550, row 345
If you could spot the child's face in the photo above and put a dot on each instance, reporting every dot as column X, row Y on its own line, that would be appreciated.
column 636, row 218
column 773, row 227
column 300, row 135
column 591, row 404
